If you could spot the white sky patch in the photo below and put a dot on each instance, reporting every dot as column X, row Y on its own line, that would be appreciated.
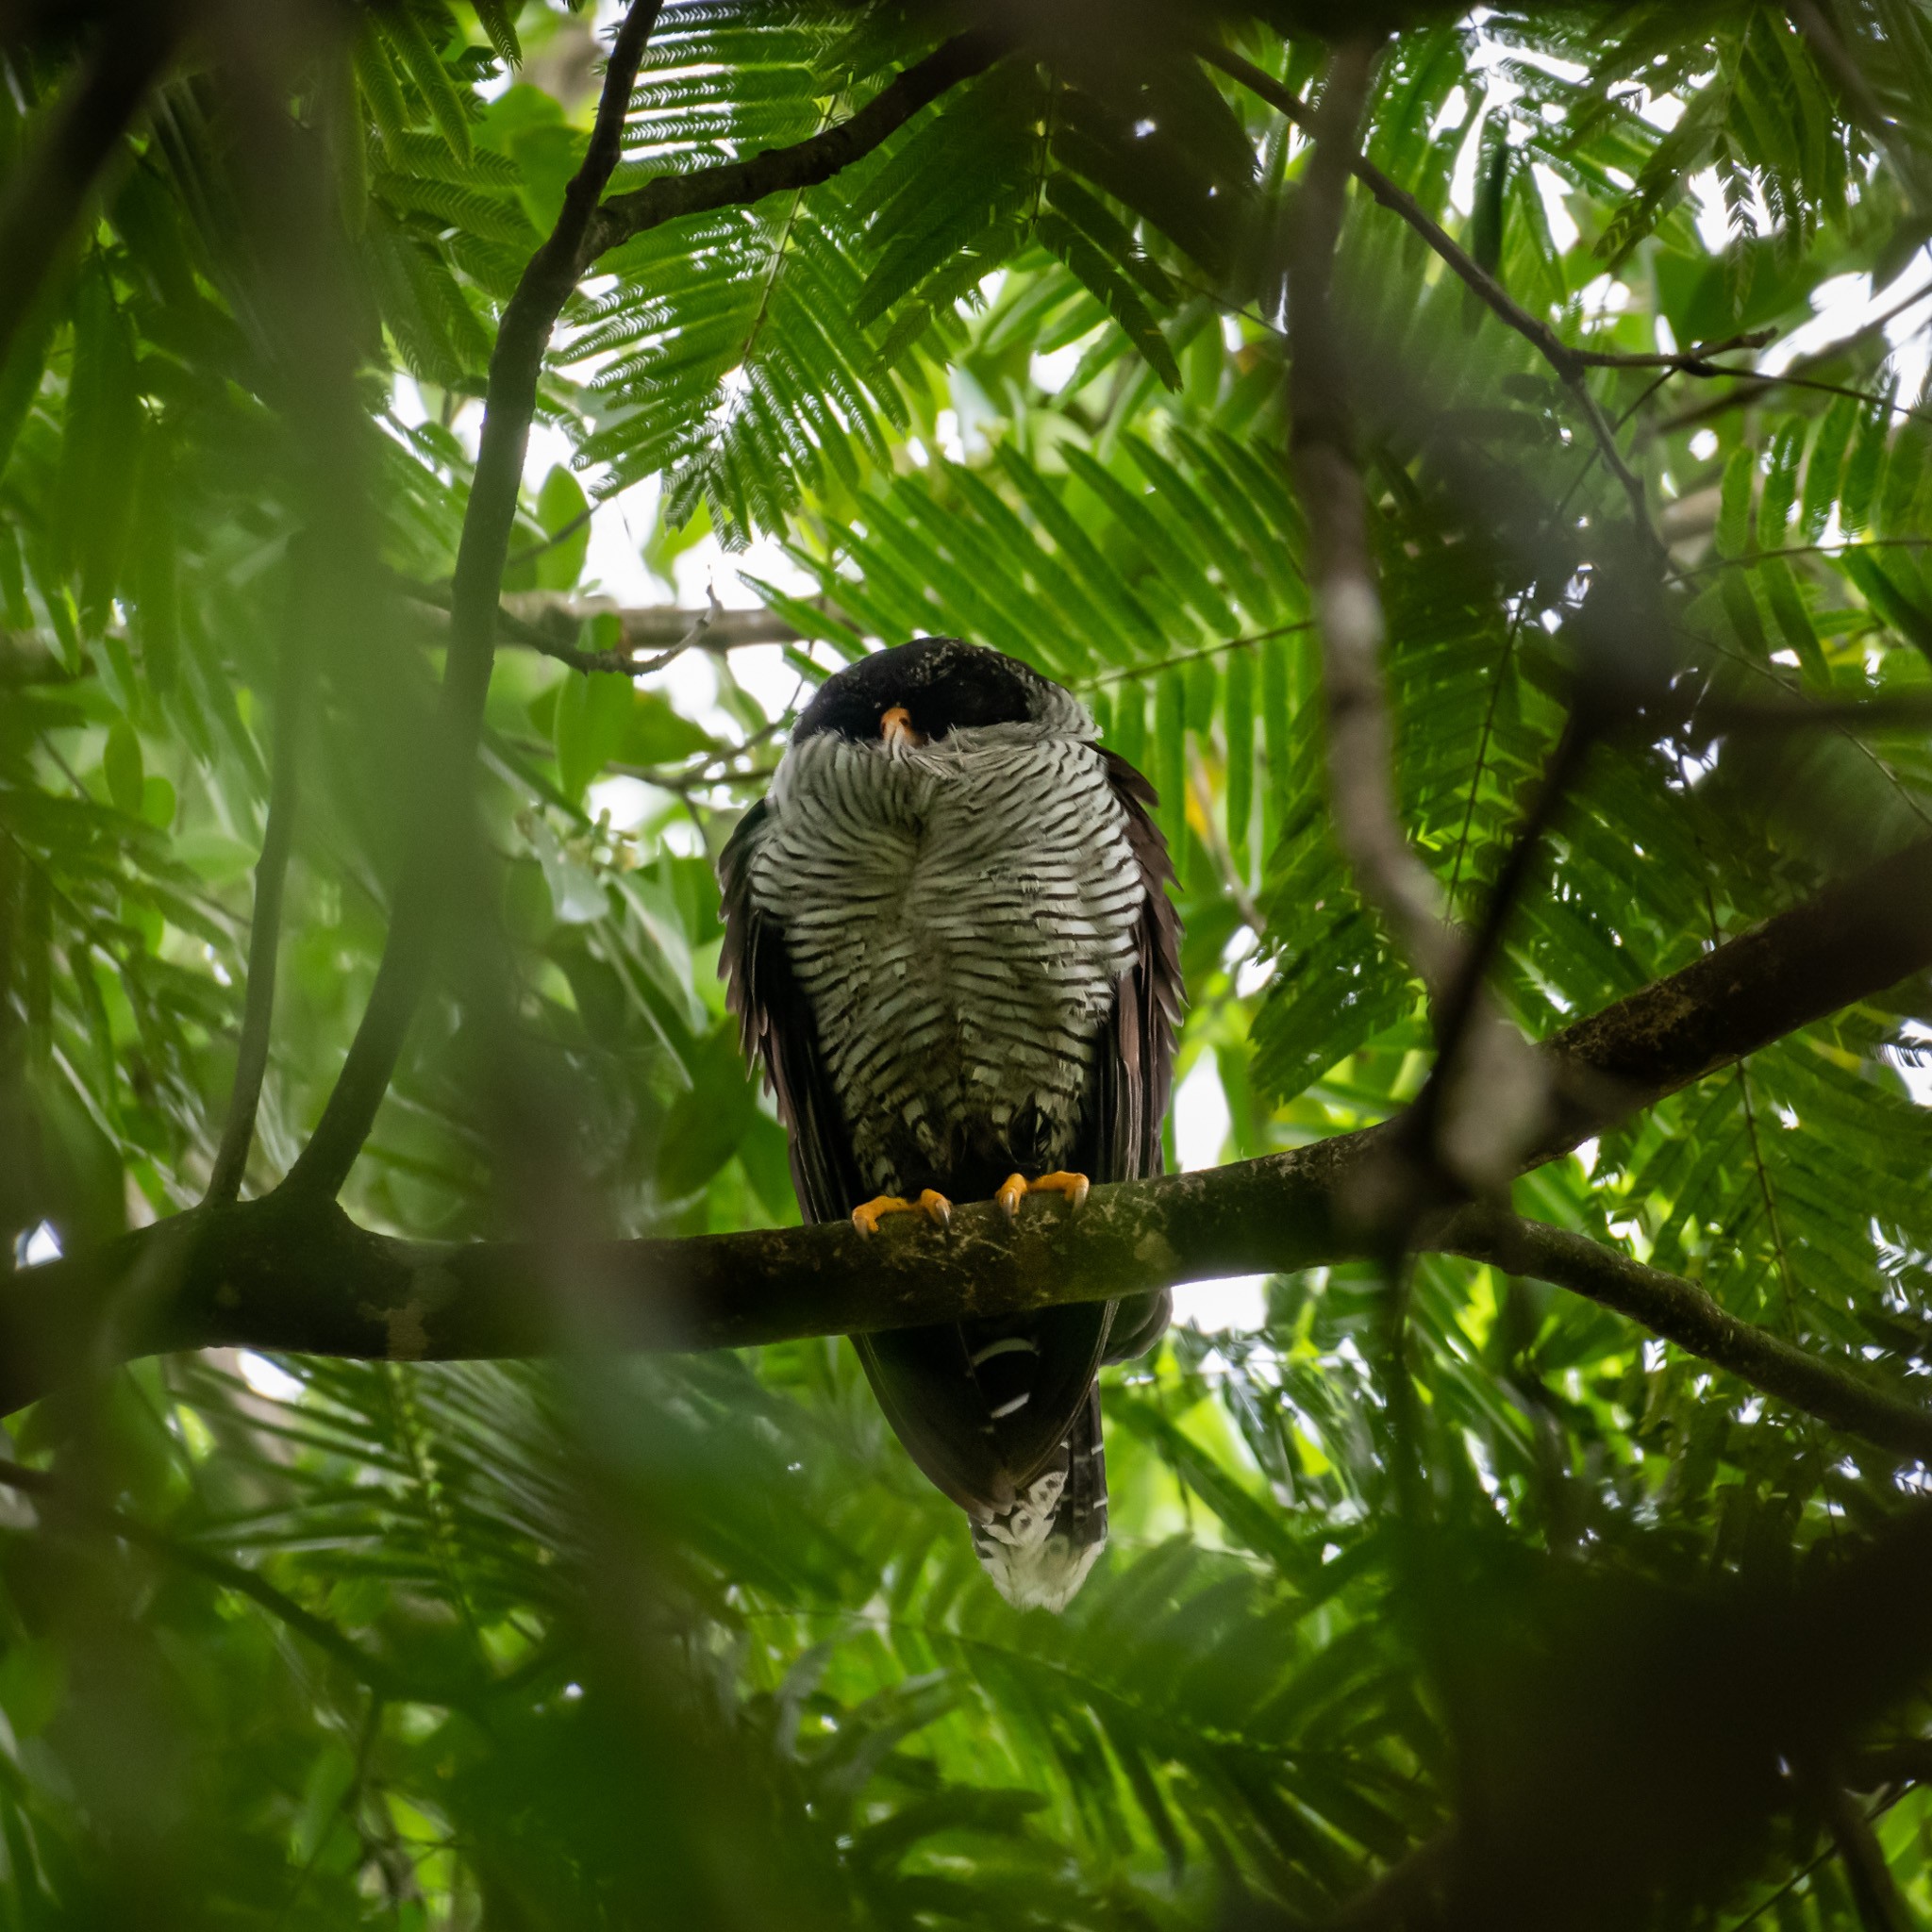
column 945, row 432
column 1454, row 112
column 1714, row 220
column 265, row 1378
column 37, row 1246
column 629, row 800
column 1918, row 1079
column 1564, row 233
column 1201, row 1123
column 1200, row 1119
column 1052, row 372
column 1846, row 304
column 1239, row 1301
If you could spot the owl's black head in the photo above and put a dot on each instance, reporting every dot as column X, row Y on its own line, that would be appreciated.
column 931, row 687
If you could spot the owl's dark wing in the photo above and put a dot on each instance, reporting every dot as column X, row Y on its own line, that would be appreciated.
column 1136, row 1065
column 775, row 1027
column 1136, row 1068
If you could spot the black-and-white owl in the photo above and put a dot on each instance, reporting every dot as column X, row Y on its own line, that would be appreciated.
column 949, row 942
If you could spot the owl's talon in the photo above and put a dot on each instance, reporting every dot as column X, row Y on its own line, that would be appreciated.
column 1076, row 1186
column 934, row 1206
column 1015, row 1188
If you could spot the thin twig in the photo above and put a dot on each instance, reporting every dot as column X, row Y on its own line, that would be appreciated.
column 1797, row 375
column 271, row 875
column 804, row 164
column 1567, row 360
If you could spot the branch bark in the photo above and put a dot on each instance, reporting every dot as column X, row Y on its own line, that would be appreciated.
column 1682, row 1312
column 804, row 164
column 295, row 1273
column 1361, row 744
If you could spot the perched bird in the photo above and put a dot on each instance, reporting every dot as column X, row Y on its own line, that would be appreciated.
column 948, row 940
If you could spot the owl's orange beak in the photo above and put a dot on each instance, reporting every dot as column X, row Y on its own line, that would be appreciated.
column 896, row 727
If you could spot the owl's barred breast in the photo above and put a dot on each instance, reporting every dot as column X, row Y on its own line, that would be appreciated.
column 958, row 917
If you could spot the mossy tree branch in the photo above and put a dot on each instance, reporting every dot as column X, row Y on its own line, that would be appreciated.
column 295, row 1273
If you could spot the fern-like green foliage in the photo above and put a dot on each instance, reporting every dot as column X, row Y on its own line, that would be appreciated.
column 616, row 1643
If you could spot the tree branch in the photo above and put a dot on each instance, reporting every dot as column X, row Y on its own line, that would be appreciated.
column 295, row 1273
column 271, row 875
column 1485, row 1098
column 510, row 402
column 1682, row 1312
column 804, row 164
column 1564, row 357
column 1361, row 747
column 584, row 231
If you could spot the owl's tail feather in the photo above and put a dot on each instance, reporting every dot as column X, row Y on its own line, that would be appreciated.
column 1039, row 1549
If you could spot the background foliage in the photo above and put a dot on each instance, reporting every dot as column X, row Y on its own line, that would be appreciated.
column 689, row 1642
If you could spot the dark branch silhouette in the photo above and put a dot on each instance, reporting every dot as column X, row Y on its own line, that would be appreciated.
column 271, row 875
column 50, row 192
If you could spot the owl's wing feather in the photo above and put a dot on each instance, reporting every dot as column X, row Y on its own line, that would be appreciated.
column 1135, row 1064
column 775, row 1027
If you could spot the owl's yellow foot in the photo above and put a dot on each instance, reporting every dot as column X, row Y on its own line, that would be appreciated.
column 1017, row 1186
column 935, row 1207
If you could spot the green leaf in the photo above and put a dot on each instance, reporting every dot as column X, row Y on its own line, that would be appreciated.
column 1781, row 483
column 654, row 734
column 1171, row 763
column 94, row 491
column 564, row 511
column 126, row 776
column 1115, row 292
column 1240, row 753
column 404, row 31
column 707, row 1123
column 1863, row 468
column 593, row 719
column 156, row 565
column 1734, row 503
column 1130, row 723
column 33, row 1684
column 1795, row 621
column 1826, row 466
column 1276, row 723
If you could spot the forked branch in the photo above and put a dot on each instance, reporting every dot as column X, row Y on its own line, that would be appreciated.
column 588, row 228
